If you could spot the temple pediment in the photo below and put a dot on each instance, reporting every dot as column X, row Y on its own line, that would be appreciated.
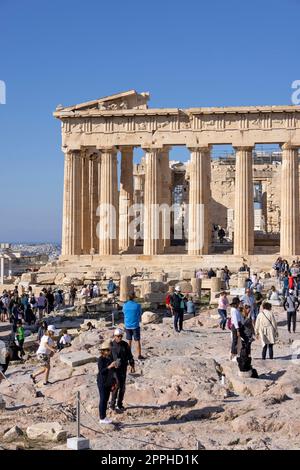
column 120, row 101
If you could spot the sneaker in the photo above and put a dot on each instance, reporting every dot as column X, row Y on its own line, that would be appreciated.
column 105, row 421
column 120, row 409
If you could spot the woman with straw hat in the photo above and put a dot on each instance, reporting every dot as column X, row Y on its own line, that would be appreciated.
column 106, row 379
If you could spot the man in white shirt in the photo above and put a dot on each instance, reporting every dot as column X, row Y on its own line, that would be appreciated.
column 236, row 324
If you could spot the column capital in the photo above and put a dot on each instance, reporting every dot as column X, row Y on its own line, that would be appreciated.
column 199, row 148
column 110, row 149
column 290, row 146
column 126, row 148
column 152, row 148
column 243, row 148
column 89, row 152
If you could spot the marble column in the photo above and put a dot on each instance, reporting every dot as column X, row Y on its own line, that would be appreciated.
column 199, row 201
column 244, row 203
column 107, row 229
column 126, row 199
column 71, row 236
column 85, row 213
column 289, row 224
column 165, row 198
column 94, row 197
column 2, row 270
column 152, row 243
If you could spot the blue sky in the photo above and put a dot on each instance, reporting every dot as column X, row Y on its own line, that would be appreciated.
column 186, row 53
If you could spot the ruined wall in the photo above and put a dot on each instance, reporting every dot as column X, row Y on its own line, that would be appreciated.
column 223, row 187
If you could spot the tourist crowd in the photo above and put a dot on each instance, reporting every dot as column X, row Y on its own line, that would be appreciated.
column 249, row 317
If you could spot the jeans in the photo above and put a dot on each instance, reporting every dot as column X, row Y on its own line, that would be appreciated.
column 104, row 393
column 223, row 315
column 178, row 319
column 235, row 339
column 119, row 392
column 291, row 318
column 264, row 351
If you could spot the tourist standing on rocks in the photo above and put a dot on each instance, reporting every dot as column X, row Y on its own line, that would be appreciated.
column 169, row 295
column 50, row 301
column 211, row 273
column 111, row 286
column 291, row 305
column 45, row 351
column 106, row 379
column 72, row 294
column 132, row 317
column 190, row 307
column 244, row 268
column 42, row 330
column 248, row 328
column 20, row 336
column 227, row 274
column 237, row 321
column 258, row 297
column 177, row 303
column 4, row 360
column 64, row 340
column 273, row 294
column 285, row 284
column 122, row 355
column 41, row 304
column 222, row 309
column 96, row 290
column 266, row 329
column 249, row 299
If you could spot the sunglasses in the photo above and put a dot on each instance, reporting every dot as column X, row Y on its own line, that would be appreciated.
column 119, row 336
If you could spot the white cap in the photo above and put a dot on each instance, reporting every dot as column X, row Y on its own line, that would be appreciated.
column 51, row 328
column 118, row 332
column 178, row 288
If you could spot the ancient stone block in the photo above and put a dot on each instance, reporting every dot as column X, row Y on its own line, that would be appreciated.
column 77, row 358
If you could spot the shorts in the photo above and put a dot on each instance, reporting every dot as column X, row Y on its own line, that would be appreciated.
column 44, row 359
column 135, row 333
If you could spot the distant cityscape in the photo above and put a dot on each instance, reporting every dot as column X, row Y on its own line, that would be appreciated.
column 52, row 250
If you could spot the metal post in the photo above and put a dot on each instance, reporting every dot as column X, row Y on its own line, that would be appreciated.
column 78, row 414
column 113, row 318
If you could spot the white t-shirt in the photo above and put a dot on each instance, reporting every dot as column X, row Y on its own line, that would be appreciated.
column 65, row 339
column 46, row 340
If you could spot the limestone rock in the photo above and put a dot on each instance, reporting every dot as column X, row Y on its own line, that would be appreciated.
column 13, row 434
column 72, row 280
column 150, row 317
column 46, row 432
column 2, row 403
column 29, row 277
column 45, row 279
column 76, row 359
column 59, row 279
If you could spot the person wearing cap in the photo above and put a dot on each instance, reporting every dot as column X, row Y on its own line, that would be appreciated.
column 106, row 379
column 122, row 355
column 291, row 305
column 132, row 317
column 177, row 303
column 45, row 351
column 236, row 326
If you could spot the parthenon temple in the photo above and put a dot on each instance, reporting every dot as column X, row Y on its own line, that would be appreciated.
column 114, row 205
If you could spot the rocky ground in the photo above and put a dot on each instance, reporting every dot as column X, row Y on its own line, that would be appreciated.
column 175, row 398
